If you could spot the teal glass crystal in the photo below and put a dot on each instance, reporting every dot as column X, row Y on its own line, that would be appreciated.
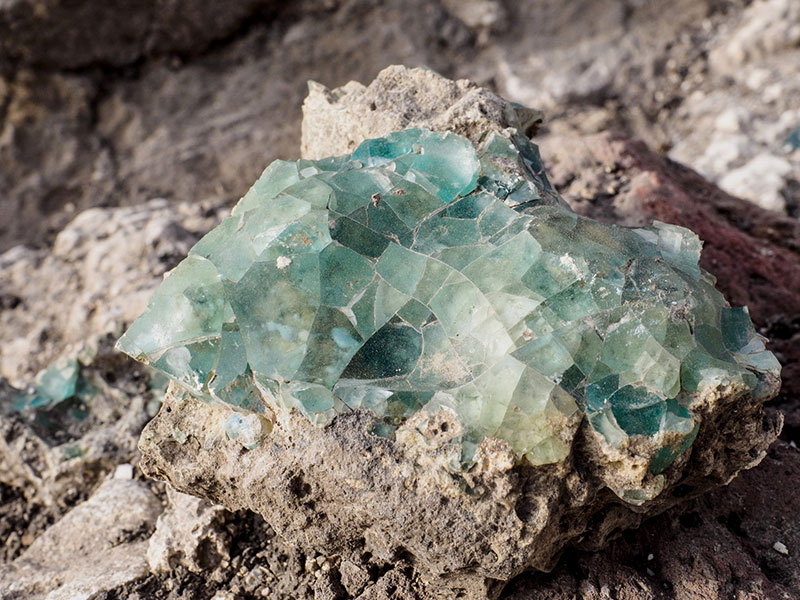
column 421, row 273
column 55, row 384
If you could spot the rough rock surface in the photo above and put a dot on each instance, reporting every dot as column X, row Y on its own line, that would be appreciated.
column 717, row 548
column 339, row 491
column 97, row 546
column 737, row 135
column 196, row 125
column 190, row 533
column 143, row 113
column 49, row 33
column 74, row 299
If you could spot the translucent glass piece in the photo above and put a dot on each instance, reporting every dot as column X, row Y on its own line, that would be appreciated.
column 58, row 382
column 421, row 273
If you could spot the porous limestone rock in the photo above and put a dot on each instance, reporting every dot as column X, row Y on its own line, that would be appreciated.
column 190, row 532
column 340, row 489
column 336, row 121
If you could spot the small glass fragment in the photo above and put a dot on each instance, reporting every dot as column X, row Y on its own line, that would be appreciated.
column 250, row 429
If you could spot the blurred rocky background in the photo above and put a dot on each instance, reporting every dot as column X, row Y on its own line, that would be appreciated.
column 128, row 129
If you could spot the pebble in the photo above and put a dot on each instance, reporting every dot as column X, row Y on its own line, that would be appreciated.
column 124, row 471
column 780, row 548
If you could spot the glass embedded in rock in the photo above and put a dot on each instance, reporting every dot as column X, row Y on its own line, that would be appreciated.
column 419, row 273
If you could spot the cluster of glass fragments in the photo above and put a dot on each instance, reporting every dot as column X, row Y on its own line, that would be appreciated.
column 419, row 273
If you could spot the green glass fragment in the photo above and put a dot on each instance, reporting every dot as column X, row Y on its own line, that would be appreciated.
column 423, row 273
column 56, row 383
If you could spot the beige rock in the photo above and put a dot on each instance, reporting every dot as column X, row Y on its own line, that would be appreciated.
column 97, row 546
column 189, row 533
column 336, row 121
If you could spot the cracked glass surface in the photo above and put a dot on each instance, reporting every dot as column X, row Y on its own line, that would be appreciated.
column 421, row 273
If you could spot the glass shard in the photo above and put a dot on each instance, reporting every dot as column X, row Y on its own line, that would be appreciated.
column 421, row 273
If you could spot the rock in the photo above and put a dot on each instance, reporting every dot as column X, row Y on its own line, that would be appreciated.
column 722, row 154
column 515, row 517
column 96, row 547
column 123, row 471
column 55, row 457
column 65, row 304
column 762, row 181
column 719, row 547
column 766, row 27
column 335, row 122
column 181, row 124
column 478, row 14
column 354, row 578
column 190, row 532
column 51, row 33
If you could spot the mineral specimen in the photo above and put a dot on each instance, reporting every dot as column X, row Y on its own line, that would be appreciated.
column 419, row 273
column 362, row 323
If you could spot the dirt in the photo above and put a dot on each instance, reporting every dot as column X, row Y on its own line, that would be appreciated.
column 20, row 521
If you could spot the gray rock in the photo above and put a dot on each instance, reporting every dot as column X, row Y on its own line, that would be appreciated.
column 100, row 273
column 191, row 533
column 53, row 34
column 71, row 301
column 335, row 122
column 766, row 27
column 97, row 546
column 185, row 122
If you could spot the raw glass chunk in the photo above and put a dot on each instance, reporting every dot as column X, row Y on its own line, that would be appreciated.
column 419, row 273
column 56, row 383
